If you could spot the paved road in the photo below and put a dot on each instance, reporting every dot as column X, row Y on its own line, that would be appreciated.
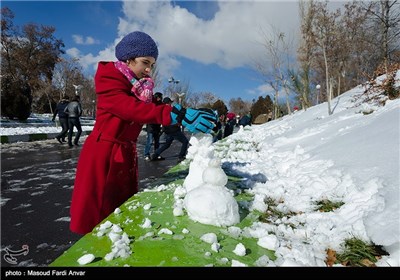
column 36, row 187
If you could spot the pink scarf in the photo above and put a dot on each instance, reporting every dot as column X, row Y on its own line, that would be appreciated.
column 142, row 88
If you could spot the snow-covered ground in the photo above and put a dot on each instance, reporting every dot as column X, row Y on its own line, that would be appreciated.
column 38, row 123
column 351, row 156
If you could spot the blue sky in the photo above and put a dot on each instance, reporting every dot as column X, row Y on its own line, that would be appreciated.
column 210, row 45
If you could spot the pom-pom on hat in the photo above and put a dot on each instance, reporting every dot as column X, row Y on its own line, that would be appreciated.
column 136, row 44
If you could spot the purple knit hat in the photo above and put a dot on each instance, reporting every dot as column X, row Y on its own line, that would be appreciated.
column 136, row 44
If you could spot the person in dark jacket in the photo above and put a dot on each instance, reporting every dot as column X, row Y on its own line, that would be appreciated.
column 230, row 124
column 62, row 117
column 245, row 120
column 217, row 130
column 172, row 132
column 153, row 130
column 74, row 111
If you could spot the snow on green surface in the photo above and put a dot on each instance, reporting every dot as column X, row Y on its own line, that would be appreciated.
column 168, row 240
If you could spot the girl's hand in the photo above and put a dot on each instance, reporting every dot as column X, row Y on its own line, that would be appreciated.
column 144, row 89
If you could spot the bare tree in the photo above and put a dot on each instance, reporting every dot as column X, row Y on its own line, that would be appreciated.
column 200, row 99
column 322, row 31
column 278, row 52
column 173, row 90
column 385, row 15
column 239, row 106
column 276, row 111
column 64, row 75
column 207, row 99
column 192, row 100
column 155, row 75
column 29, row 55
column 301, row 78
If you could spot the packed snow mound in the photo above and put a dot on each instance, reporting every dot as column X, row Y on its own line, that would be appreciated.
column 212, row 205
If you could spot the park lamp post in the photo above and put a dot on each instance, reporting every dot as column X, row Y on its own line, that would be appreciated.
column 77, row 88
column 180, row 95
column 318, row 87
column 94, row 109
column 171, row 80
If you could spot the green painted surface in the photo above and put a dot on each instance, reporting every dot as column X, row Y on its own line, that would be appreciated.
column 38, row 136
column 159, row 249
column 4, row 139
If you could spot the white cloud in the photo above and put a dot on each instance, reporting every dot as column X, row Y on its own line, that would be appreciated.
column 264, row 89
column 73, row 52
column 80, row 40
column 230, row 39
column 88, row 60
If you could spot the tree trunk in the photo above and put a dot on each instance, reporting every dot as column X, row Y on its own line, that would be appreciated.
column 328, row 84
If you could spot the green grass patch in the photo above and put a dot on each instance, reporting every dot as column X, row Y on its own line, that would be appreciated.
column 4, row 139
column 327, row 205
column 38, row 136
column 358, row 253
column 272, row 214
column 151, row 248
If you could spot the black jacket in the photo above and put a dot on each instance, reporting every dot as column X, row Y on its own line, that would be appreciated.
column 153, row 128
column 169, row 129
column 60, row 109
column 229, row 126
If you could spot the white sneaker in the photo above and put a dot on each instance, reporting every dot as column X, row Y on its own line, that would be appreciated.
column 147, row 158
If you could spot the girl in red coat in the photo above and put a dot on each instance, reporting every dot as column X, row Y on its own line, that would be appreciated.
column 107, row 170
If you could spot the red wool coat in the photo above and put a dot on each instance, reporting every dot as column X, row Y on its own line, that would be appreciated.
column 107, row 171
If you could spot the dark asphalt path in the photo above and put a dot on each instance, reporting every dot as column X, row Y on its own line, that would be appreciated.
column 36, row 187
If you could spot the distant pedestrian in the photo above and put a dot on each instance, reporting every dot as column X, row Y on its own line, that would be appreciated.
column 74, row 111
column 153, row 130
column 172, row 132
column 62, row 117
column 237, row 120
column 245, row 120
column 269, row 117
column 230, row 124
column 217, row 130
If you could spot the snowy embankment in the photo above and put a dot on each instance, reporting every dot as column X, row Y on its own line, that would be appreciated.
column 351, row 156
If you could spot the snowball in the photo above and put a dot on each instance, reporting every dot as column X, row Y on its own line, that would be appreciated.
column 240, row 250
column 209, row 237
column 85, row 259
